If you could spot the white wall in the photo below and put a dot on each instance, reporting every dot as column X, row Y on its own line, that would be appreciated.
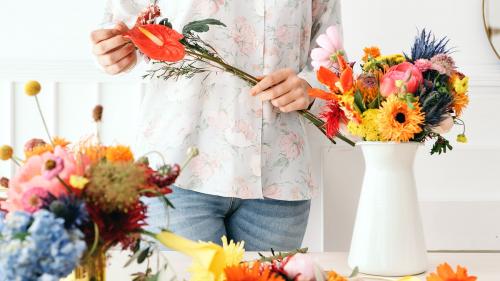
column 459, row 192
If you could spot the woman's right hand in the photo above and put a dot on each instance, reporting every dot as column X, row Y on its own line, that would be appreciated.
column 114, row 52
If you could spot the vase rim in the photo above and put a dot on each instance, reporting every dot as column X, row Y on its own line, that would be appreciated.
column 382, row 143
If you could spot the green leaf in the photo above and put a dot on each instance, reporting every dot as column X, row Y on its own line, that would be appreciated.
column 135, row 256
column 201, row 26
column 154, row 277
column 143, row 255
column 410, row 99
column 358, row 101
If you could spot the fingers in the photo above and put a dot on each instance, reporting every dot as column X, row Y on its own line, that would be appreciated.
column 103, row 34
column 276, row 91
column 271, row 80
column 115, row 56
column 298, row 104
column 108, row 45
column 122, row 65
column 121, row 27
column 286, row 99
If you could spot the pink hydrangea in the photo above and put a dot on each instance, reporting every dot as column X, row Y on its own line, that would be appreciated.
column 32, row 174
column 330, row 43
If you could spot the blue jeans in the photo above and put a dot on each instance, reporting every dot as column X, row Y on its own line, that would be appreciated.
column 262, row 223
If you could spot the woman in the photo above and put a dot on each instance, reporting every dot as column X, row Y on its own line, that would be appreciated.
column 252, row 180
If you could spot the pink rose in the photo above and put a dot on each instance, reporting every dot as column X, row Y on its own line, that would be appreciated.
column 300, row 267
column 408, row 74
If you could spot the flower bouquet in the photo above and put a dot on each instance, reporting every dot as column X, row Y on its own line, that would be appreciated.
column 394, row 105
column 67, row 205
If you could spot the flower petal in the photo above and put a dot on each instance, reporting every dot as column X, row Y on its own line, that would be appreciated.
column 158, row 42
column 320, row 54
column 333, row 34
column 328, row 78
column 324, row 42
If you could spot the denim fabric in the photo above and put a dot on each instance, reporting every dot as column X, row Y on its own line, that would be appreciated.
column 262, row 223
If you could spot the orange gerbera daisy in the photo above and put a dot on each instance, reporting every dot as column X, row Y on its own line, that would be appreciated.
column 460, row 102
column 245, row 272
column 371, row 52
column 334, row 276
column 397, row 121
column 119, row 153
column 446, row 273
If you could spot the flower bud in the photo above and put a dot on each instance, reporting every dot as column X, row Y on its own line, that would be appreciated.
column 6, row 152
column 32, row 88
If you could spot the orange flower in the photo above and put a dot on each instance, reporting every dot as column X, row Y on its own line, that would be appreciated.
column 367, row 84
column 328, row 78
column 371, row 52
column 42, row 147
column 92, row 153
column 244, row 272
column 446, row 273
column 334, row 276
column 119, row 153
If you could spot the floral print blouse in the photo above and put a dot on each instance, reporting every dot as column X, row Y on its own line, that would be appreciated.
column 248, row 149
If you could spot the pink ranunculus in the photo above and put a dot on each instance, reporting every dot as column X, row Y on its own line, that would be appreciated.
column 300, row 267
column 33, row 199
column 31, row 175
column 329, row 44
column 409, row 75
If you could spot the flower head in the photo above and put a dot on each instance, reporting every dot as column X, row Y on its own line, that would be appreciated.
column 460, row 85
column 367, row 84
column 397, row 121
column 119, row 153
column 158, row 42
column 32, row 88
column 407, row 74
column 446, row 273
column 443, row 64
column 6, row 152
column 4, row 182
column 53, row 167
column 334, row 276
column 38, row 146
column 334, row 117
column 368, row 129
column 330, row 44
column 371, row 53
column 209, row 259
column 34, row 198
column 423, row 65
column 115, row 186
column 300, row 267
column 254, row 272
column 462, row 138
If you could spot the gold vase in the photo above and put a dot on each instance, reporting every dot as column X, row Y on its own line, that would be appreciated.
column 92, row 269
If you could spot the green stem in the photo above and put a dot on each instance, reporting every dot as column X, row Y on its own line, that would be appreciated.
column 68, row 188
column 253, row 81
column 43, row 120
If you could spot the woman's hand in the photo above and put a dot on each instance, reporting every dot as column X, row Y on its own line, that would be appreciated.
column 285, row 90
column 114, row 52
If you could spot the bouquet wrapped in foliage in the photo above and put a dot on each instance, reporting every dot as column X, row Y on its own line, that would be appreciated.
column 68, row 204
column 398, row 97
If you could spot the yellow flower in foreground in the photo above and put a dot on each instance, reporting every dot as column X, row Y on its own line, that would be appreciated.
column 209, row 259
column 6, row 152
column 32, row 88
column 334, row 276
column 119, row 153
column 78, row 182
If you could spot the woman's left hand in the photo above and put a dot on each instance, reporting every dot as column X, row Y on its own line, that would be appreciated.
column 285, row 90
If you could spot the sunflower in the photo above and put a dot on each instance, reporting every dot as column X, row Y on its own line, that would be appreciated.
column 446, row 273
column 256, row 272
column 397, row 121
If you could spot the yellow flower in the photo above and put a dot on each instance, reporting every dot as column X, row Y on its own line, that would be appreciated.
column 397, row 121
column 78, row 182
column 368, row 129
column 334, row 276
column 32, row 88
column 461, row 85
column 209, row 259
column 462, row 138
column 383, row 62
column 119, row 153
column 6, row 152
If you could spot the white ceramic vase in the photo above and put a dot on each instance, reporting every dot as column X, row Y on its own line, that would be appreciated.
column 388, row 238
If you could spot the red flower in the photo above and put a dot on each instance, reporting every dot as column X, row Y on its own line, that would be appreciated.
column 118, row 227
column 333, row 116
column 158, row 42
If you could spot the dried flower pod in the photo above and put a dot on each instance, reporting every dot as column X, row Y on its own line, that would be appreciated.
column 4, row 182
column 97, row 113
column 32, row 143
column 6, row 152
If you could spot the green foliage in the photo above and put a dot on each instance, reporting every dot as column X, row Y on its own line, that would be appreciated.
column 200, row 26
column 358, row 101
column 441, row 146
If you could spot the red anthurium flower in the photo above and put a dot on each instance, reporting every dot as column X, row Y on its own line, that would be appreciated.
column 158, row 42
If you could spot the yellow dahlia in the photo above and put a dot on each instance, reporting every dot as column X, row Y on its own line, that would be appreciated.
column 397, row 121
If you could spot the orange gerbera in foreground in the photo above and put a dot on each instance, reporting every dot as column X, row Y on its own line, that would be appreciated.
column 446, row 273
column 244, row 272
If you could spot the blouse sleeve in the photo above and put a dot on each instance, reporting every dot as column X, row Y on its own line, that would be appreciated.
column 328, row 15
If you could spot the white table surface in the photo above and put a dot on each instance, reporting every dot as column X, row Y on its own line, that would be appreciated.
column 486, row 266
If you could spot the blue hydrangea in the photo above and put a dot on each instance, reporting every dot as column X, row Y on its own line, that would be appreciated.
column 37, row 247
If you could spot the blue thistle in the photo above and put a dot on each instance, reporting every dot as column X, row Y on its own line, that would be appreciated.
column 427, row 46
column 436, row 100
column 71, row 209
